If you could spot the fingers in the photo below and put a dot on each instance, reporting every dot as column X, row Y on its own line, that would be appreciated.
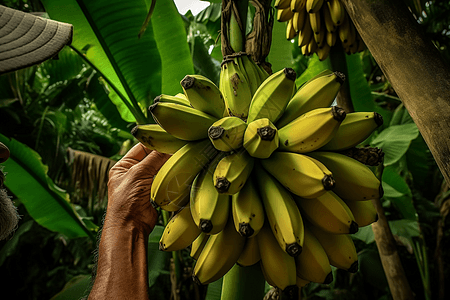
column 131, row 158
column 151, row 164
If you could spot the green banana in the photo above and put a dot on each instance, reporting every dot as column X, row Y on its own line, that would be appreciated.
column 339, row 248
column 354, row 181
column 203, row 95
column 209, row 209
column 235, row 88
column 313, row 264
column 219, row 255
column 255, row 74
column 356, row 127
column 364, row 212
column 298, row 5
column 315, row 19
column 298, row 174
column 272, row 96
column 172, row 99
column 183, row 122
column 298, row 20
column 319, row 92
column 323, row 51
column 282, row 4
column 250, row 254
column 331, row 27
column 311, row 130
column 329, row 213
column 278, row 267
column 284, row 15
column 198, row 244
column 337, row 11
column 282, row 212
column 154, row 137
column 173, row 181
column 227, row 134
column 290, row 31
column 180, row 231
column 261, row 138
column 232, row 172
column 314, row 6
column 248, row 210
column 305, row 33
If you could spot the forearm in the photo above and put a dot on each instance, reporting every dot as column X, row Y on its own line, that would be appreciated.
column 122, row 265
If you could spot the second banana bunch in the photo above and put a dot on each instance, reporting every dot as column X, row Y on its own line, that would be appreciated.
column 255, row 176
column 319, row 25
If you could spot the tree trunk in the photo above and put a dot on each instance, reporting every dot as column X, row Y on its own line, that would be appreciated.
column 413, row 66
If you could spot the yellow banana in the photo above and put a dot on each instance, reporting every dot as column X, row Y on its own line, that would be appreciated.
column 337, row 11
column 298, row 174
column 344, row 31
column 331, row 38
column 183, row 122
column 180, row 231
column 209, row 209
column 172, row 99
column 331, row 27
column 315, row 20
column 261, row 138
column 282, row 212
column 354, row 181
column 272, row 96
column 235, row 89
column 302, row 282
column 232, row 172
column 282, row 4
column 247, row 209
column 154, row 137
column 298, row 5
column 284, row 15
column 312, row 46
column 329, row 213
column 323, row 51
column 298, row 20
column 227, row 134
column 173, row 181
column 320, row 165
column 219, row 255
column 278, row 267
column 305, row 33
column 356, row 127
column 364, row 212
column 313, row 264
column 320, row 38
column 290, row 31
column 339, row 248
column 203, row 95
column 311, row 130
column 175, row 205
column 314, row 6
column 250, row 254
column 198, row 244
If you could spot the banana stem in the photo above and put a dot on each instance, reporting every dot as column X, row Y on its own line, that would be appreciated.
column 243, row 283
column 338, row 60
column 176, row 262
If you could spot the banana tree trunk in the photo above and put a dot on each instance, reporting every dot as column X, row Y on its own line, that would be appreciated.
column 414, row 67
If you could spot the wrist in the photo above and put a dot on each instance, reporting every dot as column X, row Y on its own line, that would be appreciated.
column 130, row 225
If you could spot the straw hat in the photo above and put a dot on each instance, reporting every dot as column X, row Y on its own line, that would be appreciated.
column 26, row 39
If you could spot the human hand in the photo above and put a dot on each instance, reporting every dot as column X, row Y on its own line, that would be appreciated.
column 129, row 185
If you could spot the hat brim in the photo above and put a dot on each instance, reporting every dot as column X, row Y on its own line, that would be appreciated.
column 27, row 40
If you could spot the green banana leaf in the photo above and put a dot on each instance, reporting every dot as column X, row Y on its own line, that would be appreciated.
column 280, row 55
column 48, row 205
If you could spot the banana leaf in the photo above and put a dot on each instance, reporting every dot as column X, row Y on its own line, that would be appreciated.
column 48, row 205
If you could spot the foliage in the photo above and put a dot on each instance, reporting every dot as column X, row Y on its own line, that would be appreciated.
column 91, row 97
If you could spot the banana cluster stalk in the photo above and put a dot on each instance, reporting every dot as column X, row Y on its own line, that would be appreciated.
column 255, row 176
column 319, row 25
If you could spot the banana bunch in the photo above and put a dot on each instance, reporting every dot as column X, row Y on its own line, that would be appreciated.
column 255, row 175
column 319, row 24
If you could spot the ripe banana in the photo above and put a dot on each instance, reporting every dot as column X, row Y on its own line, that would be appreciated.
column 278, row 267
column 354, row 181
column 203, row 95
column 235, row 89
column 331, row 27
column 284, row 15
column 247, row 209
column 315, row 19
column 272, row 96
column 172, row 99
column 339, row 248
column 219, row 255
column 306, row 33
column 290, row 31
column 180, row 231
column 313, row 264
column 173, row 181
column 364, row 212
column 311, row 130
column 209, row 209
column 337, row 11
column 282, row 212
column 328, row 212
column 232, row 172
column 250, row 254
column 298, row 174
column 298, row 20
column 154, row 137
column 356, row 127
column 227, row 134
column 298, row 5
column 198, row 244
column 183, row 122
column 318, row 92
column 261, row 138
column 314, row 6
